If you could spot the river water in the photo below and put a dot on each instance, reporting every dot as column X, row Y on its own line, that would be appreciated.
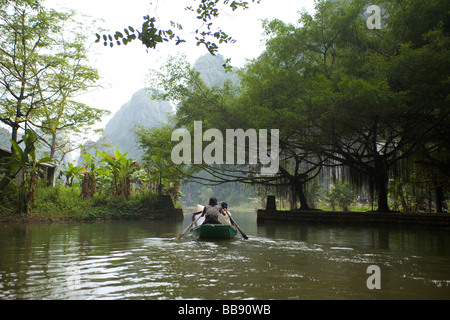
column 141, row 260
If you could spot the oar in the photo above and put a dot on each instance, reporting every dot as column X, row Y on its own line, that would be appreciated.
column 234, row 222
column 187, row 229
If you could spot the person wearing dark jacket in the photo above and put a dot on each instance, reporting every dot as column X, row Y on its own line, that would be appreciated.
column 211, row 212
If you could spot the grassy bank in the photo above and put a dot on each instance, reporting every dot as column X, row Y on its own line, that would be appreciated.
column 64, row 204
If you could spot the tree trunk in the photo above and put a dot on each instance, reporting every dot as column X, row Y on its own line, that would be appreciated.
column 299, row 186
column 88, row 186
column 23, row 192
column 31, row 194
column 293, row 198
column 160, row 185
column 53, row 146
column 125, row 187
column 382, row 194
column 14, row 138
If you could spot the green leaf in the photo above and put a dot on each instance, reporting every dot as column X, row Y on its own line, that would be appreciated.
column 45, row 159
column 18, row 150
column 88, row 158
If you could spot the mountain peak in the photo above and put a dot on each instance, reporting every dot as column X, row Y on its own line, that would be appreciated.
column 140, row 110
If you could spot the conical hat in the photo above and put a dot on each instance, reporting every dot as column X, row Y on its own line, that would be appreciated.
column 198, row 208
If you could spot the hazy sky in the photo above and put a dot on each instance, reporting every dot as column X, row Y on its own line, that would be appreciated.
column 123, row 69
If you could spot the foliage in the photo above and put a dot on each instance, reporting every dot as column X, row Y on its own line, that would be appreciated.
column 8, row 200
column 70, row 76
column 164, row 174
column 28, row 34
column 121, row 169
column 62, row 203
column 86, row 201
column 116, row 173
column 150, row 35
column 351, row 97
column 25, row 168
column 368, row 105
column 43, row 62
column 43, row 67
column 341, row 194
column 345, row 97
column 59, row 201
column 72, row 172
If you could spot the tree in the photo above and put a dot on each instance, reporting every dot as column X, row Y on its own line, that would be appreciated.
column 338, row 92
column 157, row 144
column 274, row 87
column 151, row 35
column 70, row 77
column 27, row 33
column 42, row 68
column 346, row 96
column 219, row 108
column 393, row 95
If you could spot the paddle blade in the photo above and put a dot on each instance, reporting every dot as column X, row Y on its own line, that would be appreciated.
column 239, row 228
column 187, row 229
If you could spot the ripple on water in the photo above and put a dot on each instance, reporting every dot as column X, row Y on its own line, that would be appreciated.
column 133, row 266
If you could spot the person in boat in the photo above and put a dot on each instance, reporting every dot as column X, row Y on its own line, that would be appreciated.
column 212, row 211
column 198, row 210
column 225, row 217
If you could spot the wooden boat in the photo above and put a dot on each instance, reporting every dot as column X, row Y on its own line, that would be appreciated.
column 215, row 231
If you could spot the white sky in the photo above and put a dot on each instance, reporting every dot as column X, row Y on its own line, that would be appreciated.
column 123, row 68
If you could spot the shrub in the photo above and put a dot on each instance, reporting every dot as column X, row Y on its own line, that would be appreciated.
column 342, row 195
column 59, row 202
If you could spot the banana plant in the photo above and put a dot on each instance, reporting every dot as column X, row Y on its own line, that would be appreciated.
column 71, row 173
column 122, row 168
column 88, row 181
column 103, row 177
column 25, row 169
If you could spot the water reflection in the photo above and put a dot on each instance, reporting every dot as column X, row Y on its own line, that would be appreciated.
column 388, row 238
column 140, row 260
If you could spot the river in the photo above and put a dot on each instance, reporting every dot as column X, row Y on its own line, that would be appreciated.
column 141, row 260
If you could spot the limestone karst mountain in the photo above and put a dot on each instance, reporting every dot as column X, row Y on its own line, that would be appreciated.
column 140, row 110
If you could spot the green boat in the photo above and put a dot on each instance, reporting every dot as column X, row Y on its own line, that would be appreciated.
column 215, row 231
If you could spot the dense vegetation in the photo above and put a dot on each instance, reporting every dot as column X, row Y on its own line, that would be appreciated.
column 43, row 67
column 363, row 114
column 356, row 104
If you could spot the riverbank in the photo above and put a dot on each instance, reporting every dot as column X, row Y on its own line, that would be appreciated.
column 355, row 218
column 36, row 217
column 63, row 205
